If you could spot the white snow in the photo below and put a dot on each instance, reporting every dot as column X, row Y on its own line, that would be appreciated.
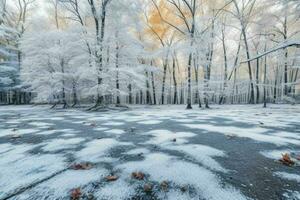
column 115, row 131
column 138, row 151
column 254, row 133
column 7, row 132
column 41, row 124
column 275, row 154
column 60, row 186
column 113, row 124
column 100, row 129
column 59, row 144
column 117, row 190
column 164, row 137
column 288, row 176
column 201, row 154
column 50, row 132
column 292, row 195
column 162, row 167
column 96, row 149
column 150, row 122
column 20, row 169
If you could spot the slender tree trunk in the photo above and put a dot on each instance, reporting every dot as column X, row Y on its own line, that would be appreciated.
column 74, row 91
column 153, row 88
column 165, row 65
column 117, row 76
column 130, row 93
column 148, row 95
column 63, row 84
column 265, row 79
column 175, row 99
column 249, row 67
column 189, row 97
column 257, row 80
column 222, row 99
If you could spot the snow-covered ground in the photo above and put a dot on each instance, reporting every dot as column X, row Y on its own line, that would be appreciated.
column 224, row 153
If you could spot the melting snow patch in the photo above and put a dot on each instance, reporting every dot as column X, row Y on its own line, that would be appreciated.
column 96, row 149
column 162, row 167
column 288, row 176
column 20, row 169
column 115, row 131
column 6, row 132
column 292, row 195
column 255, row 133
column 150, row 122
column 201, row 154
column 100, row 129
column 49, row 132
column 138, row 151
column 275, row 154
column 113, row 124
column 41, row 124
column 59, row 144
column 59, row 187
column 164, row 137
column 117, row 190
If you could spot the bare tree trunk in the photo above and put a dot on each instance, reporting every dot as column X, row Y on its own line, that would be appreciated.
column 130, row 94
column 165, row 65
column 148, row 95
column 249, row 67
column 117, row 76
column 257, row 80
column 265, row 79
column 175, row 100
column 63, row 84
column 74, row 91
column 189, row 97
column 153, row 88
column 222, row 99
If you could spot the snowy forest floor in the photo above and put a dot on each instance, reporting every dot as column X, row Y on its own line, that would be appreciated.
column 224, row 153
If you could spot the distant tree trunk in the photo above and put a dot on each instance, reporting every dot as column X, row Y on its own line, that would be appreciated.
column 196, row 68
column 62, row 63
column 251, row 101
column 265, row 80
column 130, row 93
column 100, row 30
column 285, row 32
column 243, row 29
column 141, row 96
column 148, row 95
column 175, row 99
column 257, row 80
column 275, row 84
column 165, row 65
column 117, row 76
column 189, row 97
column 74, row 91
column 222, row 99
column 153, row 88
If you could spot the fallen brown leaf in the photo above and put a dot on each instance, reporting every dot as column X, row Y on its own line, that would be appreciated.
column 138, row 175
column 76, row 194
column 148, row 187
column 111, row 178
column 82, row 166
column 286, row 160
